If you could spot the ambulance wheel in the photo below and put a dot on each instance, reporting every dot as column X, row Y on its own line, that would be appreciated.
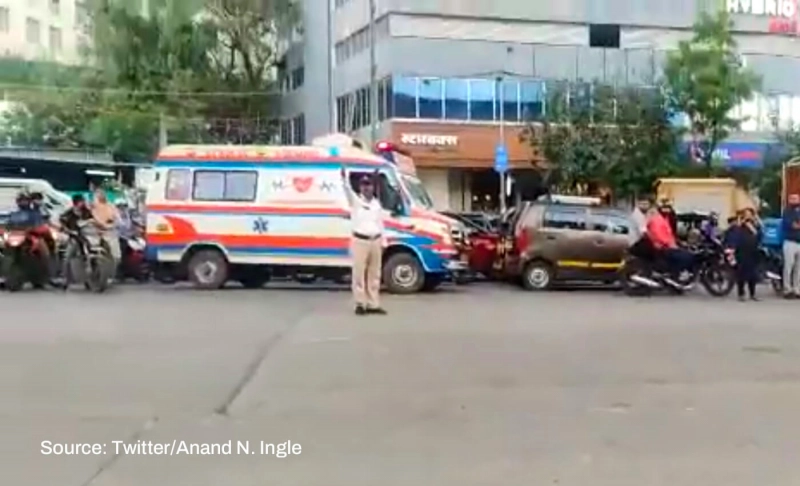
column 403, row 274
column 208, row 269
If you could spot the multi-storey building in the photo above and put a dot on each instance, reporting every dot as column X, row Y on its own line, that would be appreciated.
column 448, row 70
column 43, row 30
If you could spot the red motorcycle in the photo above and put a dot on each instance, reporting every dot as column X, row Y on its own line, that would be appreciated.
column 25, row 256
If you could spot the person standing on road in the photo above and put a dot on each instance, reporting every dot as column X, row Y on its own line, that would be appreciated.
column 791, row 247
column 366, row 248
column 107, row 218
column 639, row 218
column 744, row 241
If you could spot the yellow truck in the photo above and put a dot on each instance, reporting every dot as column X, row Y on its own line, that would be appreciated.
column 722, row 196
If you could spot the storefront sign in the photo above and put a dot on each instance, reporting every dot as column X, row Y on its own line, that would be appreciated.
column 767, row 8
column 428, row 140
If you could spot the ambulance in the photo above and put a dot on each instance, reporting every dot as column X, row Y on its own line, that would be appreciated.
column 216, row 214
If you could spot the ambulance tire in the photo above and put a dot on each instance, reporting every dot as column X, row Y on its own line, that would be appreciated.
column 208, row 270
column 403, row 274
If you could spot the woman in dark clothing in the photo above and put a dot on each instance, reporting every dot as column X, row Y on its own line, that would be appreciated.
column 744, row 239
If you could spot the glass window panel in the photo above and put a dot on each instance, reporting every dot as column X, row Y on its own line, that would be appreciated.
column 179, row 183
column 749, row 115
column 404, row 94
column 241, row 186
column 481, row 99
column 795, row 111
column 785, row 112
column 209, row 186
column 510, row 100
column 456, row 99
column 532, row 100
column 430, row 98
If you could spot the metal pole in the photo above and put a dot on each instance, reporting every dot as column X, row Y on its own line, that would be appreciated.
column 332, row 128
column 373, row 75
column 502, row 142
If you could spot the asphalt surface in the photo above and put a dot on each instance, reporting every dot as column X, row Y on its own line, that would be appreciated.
column 479, row 385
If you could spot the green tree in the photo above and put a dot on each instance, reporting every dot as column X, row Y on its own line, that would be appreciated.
column 181, row 67
column 594, row 136
column 705, row 79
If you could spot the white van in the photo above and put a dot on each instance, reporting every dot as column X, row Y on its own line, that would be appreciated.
column 55, row 201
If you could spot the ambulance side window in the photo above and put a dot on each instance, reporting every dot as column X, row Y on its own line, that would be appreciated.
column 179, row 185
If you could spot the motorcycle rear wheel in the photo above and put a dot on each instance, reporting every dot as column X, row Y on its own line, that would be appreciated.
column 14, row 275
column 629, row 287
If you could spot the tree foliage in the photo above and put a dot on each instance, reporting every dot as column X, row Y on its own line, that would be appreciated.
column 706, row 80
column 597, row 137
column 184, row 66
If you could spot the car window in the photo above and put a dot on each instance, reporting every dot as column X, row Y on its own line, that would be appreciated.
column 619, row 225
column 609, row 223
column 564, row 219
column 212, row 185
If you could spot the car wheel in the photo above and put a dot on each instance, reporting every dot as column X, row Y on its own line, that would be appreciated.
column 403, row 274
column 208, row 270
column 537, row 275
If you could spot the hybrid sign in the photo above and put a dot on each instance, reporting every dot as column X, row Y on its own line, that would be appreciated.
column 786, row 9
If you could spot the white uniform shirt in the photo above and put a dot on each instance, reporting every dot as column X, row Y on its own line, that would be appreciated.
column 366, row 217
column 639, row 228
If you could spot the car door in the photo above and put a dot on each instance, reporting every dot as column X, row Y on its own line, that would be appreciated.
column 562, row 238
column 611, row 234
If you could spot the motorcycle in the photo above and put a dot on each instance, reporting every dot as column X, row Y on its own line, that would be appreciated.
column 772, row 268
column 645, row 271
column 133, row 265
column 93, row 265
column 24, row 257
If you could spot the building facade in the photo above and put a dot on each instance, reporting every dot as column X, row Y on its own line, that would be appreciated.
column 452, row 73
column 44, row 30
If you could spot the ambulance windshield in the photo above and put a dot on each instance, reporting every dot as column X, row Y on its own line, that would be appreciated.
column 417, row 191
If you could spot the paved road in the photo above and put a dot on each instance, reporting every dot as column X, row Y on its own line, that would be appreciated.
column 475, row 386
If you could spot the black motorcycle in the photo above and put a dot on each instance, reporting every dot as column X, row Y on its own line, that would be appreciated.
column 646, row 270
column 772, row 268
column 91, row 263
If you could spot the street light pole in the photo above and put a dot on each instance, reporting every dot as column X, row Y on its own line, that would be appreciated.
column 373, row 75
column 502, row 143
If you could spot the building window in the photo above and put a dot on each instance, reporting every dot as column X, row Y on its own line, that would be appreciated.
column 508, row 100
column 456, row 99
column 299, row 130
column 604, row 35
column 219, row 185
column 298, row 77
column 33, row 31
column 382, row 99
column 532, row 99
column 404, row 97
column 344, row 113
column 431, row 98
column 4, row 19
column 55, row 40
column 481, row 103
column 55, row 7
column 286, row 132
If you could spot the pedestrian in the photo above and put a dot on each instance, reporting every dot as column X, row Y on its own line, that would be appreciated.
column 791, row 247
column 107, row 218
column 639, row 218
column 366, row 248
column 744, row 240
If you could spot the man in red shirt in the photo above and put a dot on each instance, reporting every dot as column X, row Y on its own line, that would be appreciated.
column 659, row 231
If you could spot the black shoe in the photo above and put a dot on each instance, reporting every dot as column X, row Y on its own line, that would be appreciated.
column 377, row 311
column 360, row 310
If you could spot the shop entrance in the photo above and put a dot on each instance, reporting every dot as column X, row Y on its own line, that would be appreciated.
column 485, row 190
